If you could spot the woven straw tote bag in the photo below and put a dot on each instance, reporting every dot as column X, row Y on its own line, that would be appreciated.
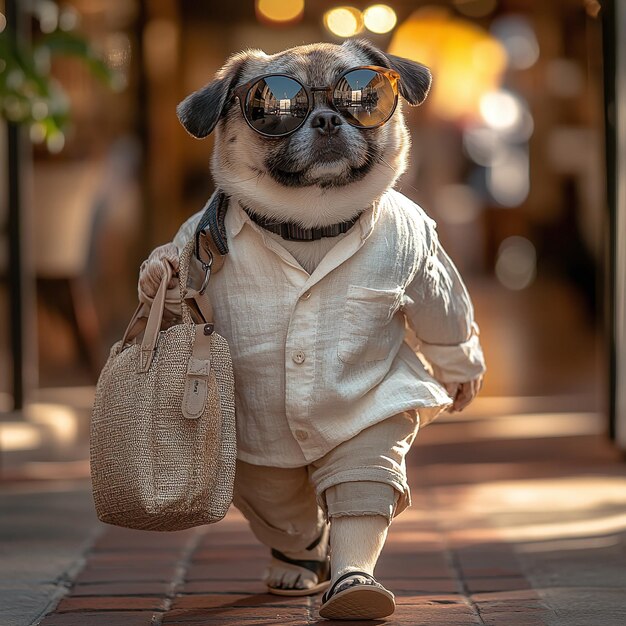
column 162, row 435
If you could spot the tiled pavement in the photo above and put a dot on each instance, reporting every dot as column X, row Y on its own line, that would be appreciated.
column 510, row 526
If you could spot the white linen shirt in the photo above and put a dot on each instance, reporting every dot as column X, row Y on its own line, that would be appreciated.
column 319, row 357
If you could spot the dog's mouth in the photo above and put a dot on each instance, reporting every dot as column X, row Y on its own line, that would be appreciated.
column 333, row 167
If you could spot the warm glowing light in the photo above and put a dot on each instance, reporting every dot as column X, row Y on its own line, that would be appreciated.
column 500, row 110
column 280, row 10
column 466, row 60
column 3, row 22
column 19, row 436
column 379, row 18
column 344, row 21
column 516, row 265
column 59, row 421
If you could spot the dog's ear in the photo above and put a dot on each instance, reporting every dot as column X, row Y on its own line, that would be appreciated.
column 415, row 78
column 200, row 112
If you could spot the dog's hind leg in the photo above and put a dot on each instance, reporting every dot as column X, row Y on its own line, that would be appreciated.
column 281, row 507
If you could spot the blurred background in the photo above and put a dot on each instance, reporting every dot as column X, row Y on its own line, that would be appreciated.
column 509, row 156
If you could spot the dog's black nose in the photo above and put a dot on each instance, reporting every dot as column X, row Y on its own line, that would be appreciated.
column 326, row 122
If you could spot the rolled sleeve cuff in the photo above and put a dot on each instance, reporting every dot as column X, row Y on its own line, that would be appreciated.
column 456, row 363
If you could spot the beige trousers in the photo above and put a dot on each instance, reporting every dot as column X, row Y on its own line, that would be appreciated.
column 366, row 475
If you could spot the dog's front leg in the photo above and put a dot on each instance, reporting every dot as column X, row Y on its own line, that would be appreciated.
column 356, row 543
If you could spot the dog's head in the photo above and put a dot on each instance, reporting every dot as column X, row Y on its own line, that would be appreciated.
column 327, row 170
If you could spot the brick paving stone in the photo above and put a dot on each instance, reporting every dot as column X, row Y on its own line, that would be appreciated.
column 237, row 552
column 508, row 619
column 125, row 588
column 414, row 571
column 110, row 603
column 226, row 600
column 507, row 596
column 144, row 574
column 422, row 586
column 136, row 540
column 489, row 572
column 509, row 583
column 220, row 586
column 105, row 618
column 133, row 564
column 448, row 558
column 136, row 556
column 236, row 615
column 247, row 570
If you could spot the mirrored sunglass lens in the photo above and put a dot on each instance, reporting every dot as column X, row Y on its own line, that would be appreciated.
column 365, row 97
column 276, row 105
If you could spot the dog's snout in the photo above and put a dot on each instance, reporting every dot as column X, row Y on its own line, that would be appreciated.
column 326, row 122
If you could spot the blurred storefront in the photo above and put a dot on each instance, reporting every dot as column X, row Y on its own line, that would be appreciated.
column 508, row 157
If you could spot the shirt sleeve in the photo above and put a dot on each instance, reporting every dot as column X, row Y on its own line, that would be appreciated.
column 439, row 310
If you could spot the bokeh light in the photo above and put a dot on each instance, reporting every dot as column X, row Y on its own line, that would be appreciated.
column 279, row 10
column 483, row 145
column 508, row 178
column 500, row 110
column 379, row 18
column 518, row 37
column 467, row 61
column 516, row 264
column 344, row 21
column 458, row 204
column 3, row 22
column 48, row 13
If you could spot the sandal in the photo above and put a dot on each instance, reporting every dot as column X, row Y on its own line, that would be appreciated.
column 369, row 600
column 320, row 568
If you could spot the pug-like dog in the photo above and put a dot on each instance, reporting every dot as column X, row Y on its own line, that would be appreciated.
column 324, row 266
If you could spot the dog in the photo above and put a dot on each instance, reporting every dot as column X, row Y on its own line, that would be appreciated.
column 309, row 144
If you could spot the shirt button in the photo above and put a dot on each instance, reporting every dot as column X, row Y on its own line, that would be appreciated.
column 298, row 356
column 302, row 435
column 306, row 295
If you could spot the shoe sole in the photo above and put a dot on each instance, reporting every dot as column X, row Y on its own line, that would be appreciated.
column 359, row 602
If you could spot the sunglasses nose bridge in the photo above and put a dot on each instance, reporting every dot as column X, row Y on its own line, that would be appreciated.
column 320, row 97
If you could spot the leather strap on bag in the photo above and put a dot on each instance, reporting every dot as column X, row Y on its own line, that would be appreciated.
column 153, row 325
column 198, row 369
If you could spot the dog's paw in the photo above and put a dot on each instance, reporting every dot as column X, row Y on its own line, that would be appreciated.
column 152, row 269
column 284, row 576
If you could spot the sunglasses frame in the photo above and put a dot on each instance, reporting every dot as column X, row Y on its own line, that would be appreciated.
column 242, row 93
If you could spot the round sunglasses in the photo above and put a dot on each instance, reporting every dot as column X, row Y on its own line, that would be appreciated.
column 276, row 105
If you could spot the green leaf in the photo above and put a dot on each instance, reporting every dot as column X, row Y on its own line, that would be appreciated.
column 70, row 44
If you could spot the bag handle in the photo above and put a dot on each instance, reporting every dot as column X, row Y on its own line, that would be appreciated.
column 192, row 300
column 135, row 326
column 153, row 325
